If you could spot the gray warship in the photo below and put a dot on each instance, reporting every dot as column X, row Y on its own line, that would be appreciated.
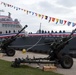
column 40, row 42
column 34, row 42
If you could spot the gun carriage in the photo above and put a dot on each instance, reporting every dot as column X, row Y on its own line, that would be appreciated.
column 7, row 42
column 55, row 55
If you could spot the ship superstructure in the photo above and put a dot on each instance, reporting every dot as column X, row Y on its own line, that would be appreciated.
column 8, row 26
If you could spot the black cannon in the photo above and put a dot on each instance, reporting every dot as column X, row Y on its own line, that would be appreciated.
column 56, row 56
column 5, row 44
column 56, row 53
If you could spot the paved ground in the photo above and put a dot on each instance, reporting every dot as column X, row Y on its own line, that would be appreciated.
column 19, row 54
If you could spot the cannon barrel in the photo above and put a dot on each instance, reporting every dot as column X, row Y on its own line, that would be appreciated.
column 72, row 33
column 21, row 30
column 8, row 41
column 66, row 39
column 58, row 45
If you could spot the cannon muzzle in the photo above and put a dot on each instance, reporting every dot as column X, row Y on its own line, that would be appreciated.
column 21, row 30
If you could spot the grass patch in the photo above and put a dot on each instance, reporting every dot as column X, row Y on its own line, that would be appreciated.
column 6, row 69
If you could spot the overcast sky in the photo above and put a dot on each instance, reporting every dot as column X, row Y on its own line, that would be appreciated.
column 62, row 9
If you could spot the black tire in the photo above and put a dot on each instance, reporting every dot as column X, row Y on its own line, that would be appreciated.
column 10, row 52
column 66, row 62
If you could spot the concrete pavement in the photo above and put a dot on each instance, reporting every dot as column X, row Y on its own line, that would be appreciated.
column 60, row 70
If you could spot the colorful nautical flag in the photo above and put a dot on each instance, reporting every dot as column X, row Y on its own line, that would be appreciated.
column 50, row 19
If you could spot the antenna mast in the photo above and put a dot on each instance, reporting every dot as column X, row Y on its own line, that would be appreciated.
column 40, row 28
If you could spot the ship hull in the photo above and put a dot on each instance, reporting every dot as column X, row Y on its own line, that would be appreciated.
column 42, row 45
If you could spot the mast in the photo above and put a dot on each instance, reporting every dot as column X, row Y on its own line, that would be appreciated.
column 9, row 14
column 40, row 28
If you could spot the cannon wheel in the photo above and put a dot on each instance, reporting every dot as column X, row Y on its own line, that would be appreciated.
column 66, row 61
column 10, row 52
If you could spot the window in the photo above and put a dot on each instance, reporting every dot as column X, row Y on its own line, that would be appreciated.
column 6, row 31
column 0, row 32
column 14, row 31
column 9, row 31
